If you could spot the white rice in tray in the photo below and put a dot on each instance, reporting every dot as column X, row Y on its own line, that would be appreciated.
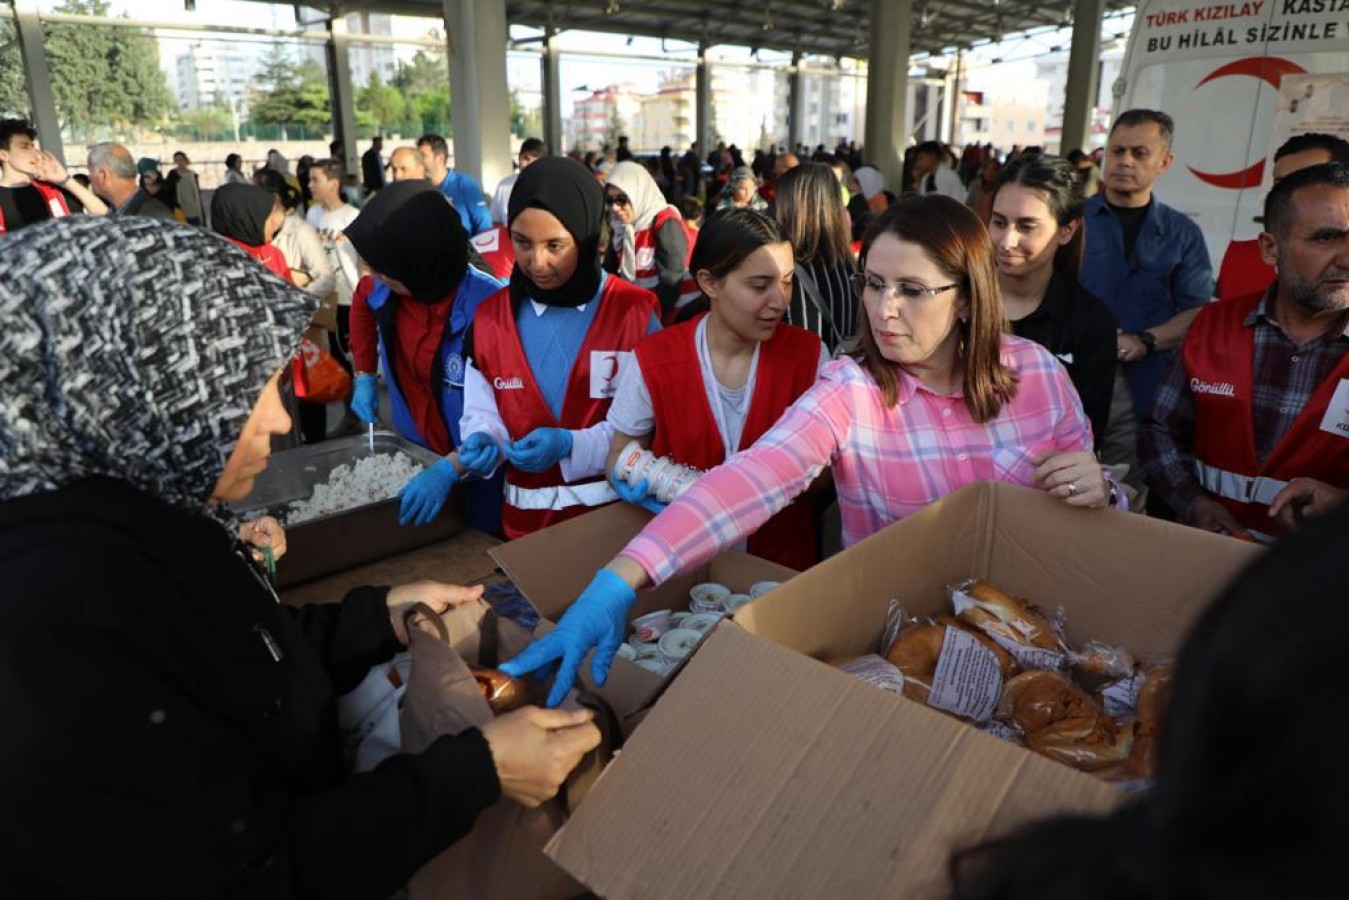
column 369, row 479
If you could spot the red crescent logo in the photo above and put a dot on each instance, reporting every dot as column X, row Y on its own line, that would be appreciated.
column 613, row 368
column 1269, row 69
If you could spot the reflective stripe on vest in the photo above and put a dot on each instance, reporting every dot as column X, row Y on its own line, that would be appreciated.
column 1241, row 488
column 565, row 496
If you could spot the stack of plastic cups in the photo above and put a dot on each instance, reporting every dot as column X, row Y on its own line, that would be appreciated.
column 665, row 478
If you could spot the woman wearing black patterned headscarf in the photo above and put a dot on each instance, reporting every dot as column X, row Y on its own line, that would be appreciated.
column 163, row 713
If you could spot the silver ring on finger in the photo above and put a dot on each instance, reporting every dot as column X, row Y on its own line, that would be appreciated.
column 1072, row 488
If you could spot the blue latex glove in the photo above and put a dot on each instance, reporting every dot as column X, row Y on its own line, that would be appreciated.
column 539, row 450
column 598, row 618
column 637, row 496
column 480, row 454
column 422, row 497
column 365, row 398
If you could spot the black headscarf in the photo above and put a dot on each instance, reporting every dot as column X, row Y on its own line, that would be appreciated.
column 569, row 191
column 240, row 211
column 133, row 349
column 410, row 232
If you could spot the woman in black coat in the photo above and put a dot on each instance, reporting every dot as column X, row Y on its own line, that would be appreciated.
column 170, row 727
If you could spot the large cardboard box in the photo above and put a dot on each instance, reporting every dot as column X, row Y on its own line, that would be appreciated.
column 551, row 567
column 762, row 772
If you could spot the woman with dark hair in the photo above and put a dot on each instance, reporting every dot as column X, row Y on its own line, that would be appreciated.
column 1037, row 233
column 163, row 711
column 812, row 218
column 750, row 365
column 544, row 360
column 297, row 240
column 1251, row 799
column 247, row 216
column 937, row 397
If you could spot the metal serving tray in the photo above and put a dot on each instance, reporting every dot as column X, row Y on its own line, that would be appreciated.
column 342, row 540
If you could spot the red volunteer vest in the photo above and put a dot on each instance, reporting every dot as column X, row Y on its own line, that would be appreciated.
column 646, row 273
column 1219, row 356
column 56, row 202
column 535, row 501
column 496, row 249
column 687, row 432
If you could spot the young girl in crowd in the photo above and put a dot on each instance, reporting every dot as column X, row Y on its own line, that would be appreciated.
column 247, row 216
column 650, row 245
column 545, row 356
column 750, row 365
column 811, row 215
column 937, row 398
column 1037, row 233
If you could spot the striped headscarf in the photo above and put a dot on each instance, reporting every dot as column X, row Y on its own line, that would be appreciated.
column 133, row 349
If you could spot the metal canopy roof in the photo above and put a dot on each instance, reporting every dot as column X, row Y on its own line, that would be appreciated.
column 823, row 27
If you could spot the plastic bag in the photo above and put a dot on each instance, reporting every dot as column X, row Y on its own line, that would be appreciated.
column 319, row 378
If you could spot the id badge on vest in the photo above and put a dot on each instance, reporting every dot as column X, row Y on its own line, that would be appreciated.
column 645, row 257
column 1336, row 419
column 454, row 370
column 606, row 371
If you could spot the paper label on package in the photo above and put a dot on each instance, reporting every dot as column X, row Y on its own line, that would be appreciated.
column 606, row 367
column 1001, row 731
column 967, row 681
column 1120, row 698
column 876, row 671
column 1026, row 655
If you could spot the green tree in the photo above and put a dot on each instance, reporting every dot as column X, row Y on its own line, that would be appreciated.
column 207, row 123
column 291, row 95
column 615, row 129
column 525, row 122
column 104, row 78
column 425, row 83
column 383, row 103
column 13, row 98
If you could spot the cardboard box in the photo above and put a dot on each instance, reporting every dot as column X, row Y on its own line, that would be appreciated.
column 763, row 772
column 551, row 567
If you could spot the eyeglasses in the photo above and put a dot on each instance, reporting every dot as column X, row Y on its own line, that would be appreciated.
column 613, row 200
column 906, row 290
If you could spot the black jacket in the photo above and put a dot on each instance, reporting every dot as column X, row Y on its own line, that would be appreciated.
column 170, row 729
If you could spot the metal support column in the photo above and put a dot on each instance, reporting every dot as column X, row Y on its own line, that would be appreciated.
column 703, row 99
column 1083, row 76
column 342, row 97
column 40, row 97
column 552, row 94
column 796, row 103
column 475, row 34
column 887, row 86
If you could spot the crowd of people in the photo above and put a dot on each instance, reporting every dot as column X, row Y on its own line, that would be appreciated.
column 810, row 335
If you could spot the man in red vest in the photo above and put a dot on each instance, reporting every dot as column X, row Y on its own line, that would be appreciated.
column 33, row 184
column 1250, row 429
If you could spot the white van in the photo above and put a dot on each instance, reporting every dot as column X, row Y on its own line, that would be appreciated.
column 1216, row 69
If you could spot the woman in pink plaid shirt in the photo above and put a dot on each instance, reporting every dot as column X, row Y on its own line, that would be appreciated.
column 938, row 396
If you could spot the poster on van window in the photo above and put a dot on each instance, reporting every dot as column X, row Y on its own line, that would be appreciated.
column 1308, row 104
column 1182, row 29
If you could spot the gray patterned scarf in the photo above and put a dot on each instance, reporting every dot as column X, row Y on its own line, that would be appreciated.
column 133, row 349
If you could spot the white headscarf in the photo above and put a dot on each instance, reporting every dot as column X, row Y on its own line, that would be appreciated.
column 647, row 202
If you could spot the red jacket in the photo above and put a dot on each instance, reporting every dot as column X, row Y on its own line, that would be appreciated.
column 1243, row 270
column 56, row 202
column 1219, row 360
column 686, row 429
column 537, row 500
column 268, row 254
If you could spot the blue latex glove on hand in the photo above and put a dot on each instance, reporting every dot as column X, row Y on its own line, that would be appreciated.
column 365, row 398
column 637, row 496
column 480, row 454
column 539, row 450
column 598, row 618
column 422, row 497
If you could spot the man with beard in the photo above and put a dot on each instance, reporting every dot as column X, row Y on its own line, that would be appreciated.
column 1250, row 427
